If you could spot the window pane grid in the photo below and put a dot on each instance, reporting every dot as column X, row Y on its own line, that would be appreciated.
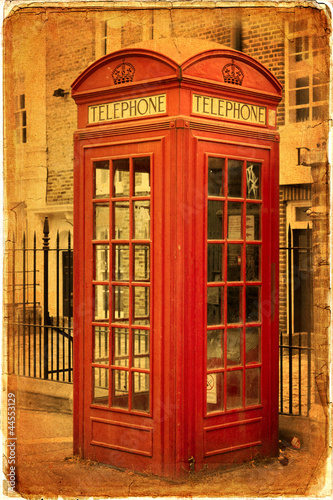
column 308, row 91
column 128, row 269
column 229, row 273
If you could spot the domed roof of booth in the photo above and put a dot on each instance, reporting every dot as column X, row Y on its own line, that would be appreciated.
column 194, row 57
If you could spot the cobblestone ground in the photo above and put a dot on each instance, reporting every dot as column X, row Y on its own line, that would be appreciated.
column 45, row 468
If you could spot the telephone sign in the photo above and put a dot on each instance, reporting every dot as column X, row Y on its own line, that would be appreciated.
column 176, row 261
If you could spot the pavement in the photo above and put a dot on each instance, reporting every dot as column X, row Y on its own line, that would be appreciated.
column 46, row 468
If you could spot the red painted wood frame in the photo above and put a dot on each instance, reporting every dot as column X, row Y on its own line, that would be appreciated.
column 211, row 342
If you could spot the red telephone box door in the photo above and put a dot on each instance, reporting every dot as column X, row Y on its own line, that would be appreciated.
column 121, row 349
column 235, row 332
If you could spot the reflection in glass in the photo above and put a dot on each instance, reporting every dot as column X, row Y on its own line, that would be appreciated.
column 252, row 262
column 101, row 344
column 121, row 262
column 140, row 396
column 101, row 221
column 101, row 262
column 234, row 272
column 100, row 386
column 141, row 349
column 253, row 222
column 141, row 307
column 234, row 221
column 120, row 387
column 252, row 344
column 214, row 262
column 141, row 230
column 215, row 220
column 121, row 304
column 215, row 176
column 141, row 176
column 235, row 178
column 234, row 304
column 101, row 179
column 214, row 305
column 234, row 347
column 121, row 220
column 214, row 349
column 252, row 386
column 121, row 184
column 214, row 392
column 120, row 349
column 253, row 181
column 234, row 389
column 141, row 262
column 252, row 303
column 101, row 312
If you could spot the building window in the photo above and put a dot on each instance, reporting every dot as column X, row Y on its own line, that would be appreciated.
column 67, row 288
column 21, row 119
column 307, row 80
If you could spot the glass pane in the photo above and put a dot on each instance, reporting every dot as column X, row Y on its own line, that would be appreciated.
column 121, row 184
column 253, row 181
column 252, row 387
column 302, row 96
column 120, row 387
column 302, row 114
column 235, row 177
column 101, row 303
column 141, row 176
column 121, row 262
column 234, row 304
column 252, row 303
column 234, row 347
column 215, row 176
column 234, row 389
column 101, row 262
column 141, row 262
column 141, row 349
column 214, row 392
column 215, row 220
column 234, row 221
column 141, row 308
column 140, row 396
column 214, row 349
column 101, row 179
column 252, row 344
column 214, row 305
column 252, row 262
column 253, row 231
column 214, row 262
column 101, row 344
column 100, row 386
column 234, row 272
column 121, row 220
column 120, row 347
column 141, row 230
column 101, row 221
column 121, row 304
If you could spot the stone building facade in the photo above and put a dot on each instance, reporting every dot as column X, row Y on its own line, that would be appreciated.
column 60, row 41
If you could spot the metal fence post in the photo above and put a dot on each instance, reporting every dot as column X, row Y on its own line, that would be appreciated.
column 46, row 240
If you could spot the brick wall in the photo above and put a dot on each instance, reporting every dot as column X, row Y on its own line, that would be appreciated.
column 70, row 48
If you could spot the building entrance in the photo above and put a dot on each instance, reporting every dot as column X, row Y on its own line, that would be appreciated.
column 176, row 261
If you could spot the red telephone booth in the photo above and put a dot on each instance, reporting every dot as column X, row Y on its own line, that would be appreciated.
column 176, row 261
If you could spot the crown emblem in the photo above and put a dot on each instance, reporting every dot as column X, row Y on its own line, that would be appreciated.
column 232, row 73
column 123, row 73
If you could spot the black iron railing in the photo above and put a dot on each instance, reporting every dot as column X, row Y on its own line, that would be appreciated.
column 295, row 342
column 40, row 288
